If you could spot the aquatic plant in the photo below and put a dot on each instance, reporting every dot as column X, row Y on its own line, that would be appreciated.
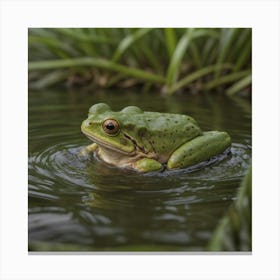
column 168, row 59
column 234, row 232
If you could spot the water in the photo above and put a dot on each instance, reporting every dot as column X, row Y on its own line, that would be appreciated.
column 79, row 204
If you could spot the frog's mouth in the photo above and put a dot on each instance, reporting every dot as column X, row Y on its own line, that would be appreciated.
column 109, row 147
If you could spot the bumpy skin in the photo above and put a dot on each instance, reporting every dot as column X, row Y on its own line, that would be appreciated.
column 144, row 141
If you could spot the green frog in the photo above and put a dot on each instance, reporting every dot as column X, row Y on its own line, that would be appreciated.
column 149, row 141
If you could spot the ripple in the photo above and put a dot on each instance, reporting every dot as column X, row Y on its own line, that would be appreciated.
column 56, row 163
column 61, row 163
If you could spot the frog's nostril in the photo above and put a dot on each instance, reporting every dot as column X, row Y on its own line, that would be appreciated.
column 87, row 123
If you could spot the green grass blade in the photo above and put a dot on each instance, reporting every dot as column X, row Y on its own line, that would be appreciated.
column 56, row 47
column 152, row 58
column 171, row 40
column 226, row 79
column 227, row 37
column 243, row 57
column 235, row 88
column 128, row 41
column 242, row 39
column 196, row 75
column 50, row 79
column 80, row 35
column 234, row 231
column 208, row 51
column 99, row 63
column 177, row 57
column 209, row 32
column 196, row 56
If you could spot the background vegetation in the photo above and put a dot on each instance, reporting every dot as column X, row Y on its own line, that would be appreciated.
column 169, row 60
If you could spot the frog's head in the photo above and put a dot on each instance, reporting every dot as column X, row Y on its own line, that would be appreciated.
column 106, row 128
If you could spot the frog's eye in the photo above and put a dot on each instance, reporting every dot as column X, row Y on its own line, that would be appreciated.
column 111, row 127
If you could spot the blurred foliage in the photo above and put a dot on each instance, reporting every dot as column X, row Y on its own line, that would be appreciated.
column 40, row 246
column 234, row 233
column 166, row 59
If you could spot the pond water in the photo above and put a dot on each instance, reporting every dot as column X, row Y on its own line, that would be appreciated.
column 78, row 204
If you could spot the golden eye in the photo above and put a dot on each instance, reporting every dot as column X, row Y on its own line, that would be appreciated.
column 111, row 127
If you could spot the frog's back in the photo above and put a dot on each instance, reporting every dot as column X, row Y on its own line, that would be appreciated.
column 163, row 131
column 173, row 125
column 161, row 121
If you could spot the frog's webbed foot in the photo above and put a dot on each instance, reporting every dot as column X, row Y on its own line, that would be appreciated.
column 199, row 149
column 88, row 150
column 147, row 165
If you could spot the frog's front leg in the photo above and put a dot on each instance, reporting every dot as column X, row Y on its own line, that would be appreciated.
column 88, row 149
column 147, row 165
column 199, row 149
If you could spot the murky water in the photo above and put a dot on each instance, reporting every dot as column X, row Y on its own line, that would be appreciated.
column 79, row 204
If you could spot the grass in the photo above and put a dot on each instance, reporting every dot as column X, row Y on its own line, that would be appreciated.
column 234, row 232
column 167, row 59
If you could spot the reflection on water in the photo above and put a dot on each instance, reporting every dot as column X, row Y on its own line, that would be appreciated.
column 84, row 204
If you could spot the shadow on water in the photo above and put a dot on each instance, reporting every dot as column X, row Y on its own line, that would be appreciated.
column 85, row 204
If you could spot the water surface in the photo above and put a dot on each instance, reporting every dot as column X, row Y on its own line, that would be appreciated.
column 83, row 204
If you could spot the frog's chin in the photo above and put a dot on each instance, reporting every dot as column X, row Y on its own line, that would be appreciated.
column 107, row 147
column 115, row 157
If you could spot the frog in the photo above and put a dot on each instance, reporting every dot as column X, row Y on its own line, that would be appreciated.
column 147, row 141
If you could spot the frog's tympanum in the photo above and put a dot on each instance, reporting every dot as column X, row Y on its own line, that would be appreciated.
column 147, row 141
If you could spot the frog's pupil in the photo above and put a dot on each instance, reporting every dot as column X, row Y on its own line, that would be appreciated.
column 110, row 126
